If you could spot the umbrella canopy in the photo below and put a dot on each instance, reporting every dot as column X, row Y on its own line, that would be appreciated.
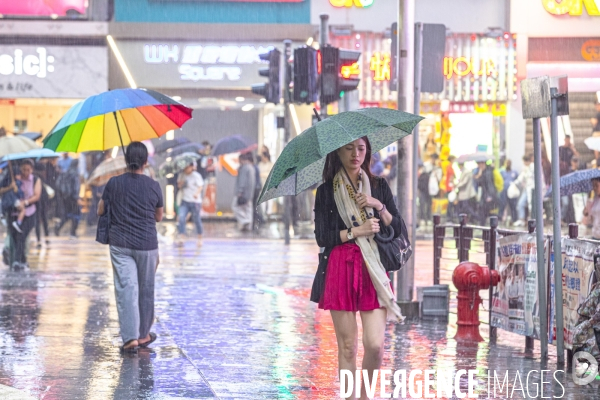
column 184, row 148
column 34, row 153
column 232, row 144
column 163, row 146
column 477, row 157
column 301, row 162
column 116, row 118
column 16, row 144
column 576, row 182
column 593, row 143
column 106, row 170
column 31, row 135
column 177, row 164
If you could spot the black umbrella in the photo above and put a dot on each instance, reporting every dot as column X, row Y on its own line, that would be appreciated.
column 184, row 148
column 163, row 146
column 232, row 144
column 31, row 135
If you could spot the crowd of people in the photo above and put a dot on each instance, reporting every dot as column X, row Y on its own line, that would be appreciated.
column 452, row 188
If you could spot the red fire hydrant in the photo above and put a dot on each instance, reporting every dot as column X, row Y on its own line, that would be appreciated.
column 469, row 278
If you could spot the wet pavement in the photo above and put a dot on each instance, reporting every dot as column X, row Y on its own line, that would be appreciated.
column 233, row 320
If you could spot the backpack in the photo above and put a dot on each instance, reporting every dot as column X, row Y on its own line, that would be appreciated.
column 434, row 183
column 423, row 182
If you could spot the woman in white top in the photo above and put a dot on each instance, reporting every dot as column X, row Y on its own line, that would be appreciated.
column 592, row 209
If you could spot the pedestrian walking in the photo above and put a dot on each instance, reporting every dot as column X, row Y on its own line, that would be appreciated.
column 424, row 197
column 467, row 202
column 43, row 207
column 69, row 185
column 257, row 214
column 526, row 183
column 509, row 176
column 350, row 277
column 490, row 182
column 64, row 163
column 245, row 185
column 591, row 212
column 264, row 166
column 595, row 121
column 32, row 190
column 135, row 204
column 190, row 183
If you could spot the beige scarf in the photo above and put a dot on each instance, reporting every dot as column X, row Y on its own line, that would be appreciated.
column 353, row 217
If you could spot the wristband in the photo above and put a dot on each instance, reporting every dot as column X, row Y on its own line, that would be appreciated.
column 382, row 209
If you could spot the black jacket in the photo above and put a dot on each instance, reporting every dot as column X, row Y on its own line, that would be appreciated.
column 329, row 223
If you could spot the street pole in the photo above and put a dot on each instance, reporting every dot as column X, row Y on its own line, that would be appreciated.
column 539, row 234
column 323, row 40
column 287, row 45
column 406, row 146
column 556, row 219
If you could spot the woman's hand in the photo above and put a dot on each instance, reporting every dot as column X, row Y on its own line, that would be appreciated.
column 370, row 227
column 364, row 200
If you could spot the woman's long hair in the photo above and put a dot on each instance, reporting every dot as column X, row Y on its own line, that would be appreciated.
column 136, row 156
column 333, row 163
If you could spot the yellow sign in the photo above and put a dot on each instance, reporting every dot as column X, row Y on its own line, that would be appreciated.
column 348, row 70
column 350, row 3
column 590, row 50
column 463, row 66
column 572, row 7
column 380, row 65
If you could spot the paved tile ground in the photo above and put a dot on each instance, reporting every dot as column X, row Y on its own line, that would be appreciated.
column 233, row 320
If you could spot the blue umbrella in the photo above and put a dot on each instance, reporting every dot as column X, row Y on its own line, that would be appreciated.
column 576, row 182
column 35, row 153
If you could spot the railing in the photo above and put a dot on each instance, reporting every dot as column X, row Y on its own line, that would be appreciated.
column 478, row 244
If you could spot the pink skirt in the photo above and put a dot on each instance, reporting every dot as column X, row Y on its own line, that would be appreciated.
column 348, row 286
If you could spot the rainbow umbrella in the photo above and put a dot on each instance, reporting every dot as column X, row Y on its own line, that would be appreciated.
column 116, row 118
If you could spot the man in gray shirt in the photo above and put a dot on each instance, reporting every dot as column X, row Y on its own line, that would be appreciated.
column 245, row 183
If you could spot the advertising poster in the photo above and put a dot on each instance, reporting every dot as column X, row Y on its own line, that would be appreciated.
column 577, row 280
column 514, row 304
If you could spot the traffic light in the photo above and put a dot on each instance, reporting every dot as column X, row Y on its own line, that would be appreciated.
column 269, row 90
column 306, row 75
column 340, row 73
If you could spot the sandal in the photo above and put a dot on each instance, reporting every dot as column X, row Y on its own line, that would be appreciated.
column 129, row 350
column 153, row 337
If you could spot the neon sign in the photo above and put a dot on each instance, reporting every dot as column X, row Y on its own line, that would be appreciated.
column 590, row 51
column 463, row 66
column 350, row 3
column 348, row 70
column 572, row 7
column 380, row 65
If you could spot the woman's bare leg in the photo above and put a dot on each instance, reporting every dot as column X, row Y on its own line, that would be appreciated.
column 373, row 324
column 346, row 333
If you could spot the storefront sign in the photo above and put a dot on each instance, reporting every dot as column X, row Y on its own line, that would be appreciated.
column 52, row 71
column 572, row 7
column 351, row 3
column 462, row 66
column 380, row 65
column 168, row 64
column 590, row 50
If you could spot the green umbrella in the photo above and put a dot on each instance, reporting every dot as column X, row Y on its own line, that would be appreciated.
column 301, row 162
column 177, row 164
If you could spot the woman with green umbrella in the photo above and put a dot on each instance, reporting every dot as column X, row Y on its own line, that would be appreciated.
column 348, row 209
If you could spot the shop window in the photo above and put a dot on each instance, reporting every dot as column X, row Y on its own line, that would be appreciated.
column 20, row 125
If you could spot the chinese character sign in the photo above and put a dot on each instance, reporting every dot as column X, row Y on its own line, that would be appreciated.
column 380, row 65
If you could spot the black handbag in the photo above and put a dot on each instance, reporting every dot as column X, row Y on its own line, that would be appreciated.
column 393, row 252
column 103, row 225
column 241, row 200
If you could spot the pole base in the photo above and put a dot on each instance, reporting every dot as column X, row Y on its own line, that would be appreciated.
column 468, row 333
column 410, row 309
